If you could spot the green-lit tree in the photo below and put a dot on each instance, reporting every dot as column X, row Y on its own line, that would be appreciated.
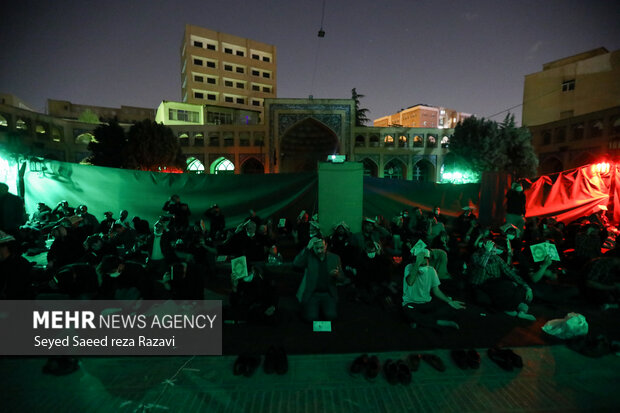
column 108, row 146
column 88, row 116
column 152, row 147
column 486, row 146
column 360, row 113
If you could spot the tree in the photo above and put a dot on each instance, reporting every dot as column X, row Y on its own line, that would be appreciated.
column 152, row 147
column 108, row 146
column 88, row 116
column 360, row 113
column 485, row 145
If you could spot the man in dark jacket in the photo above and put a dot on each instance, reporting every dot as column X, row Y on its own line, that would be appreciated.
column 317, row 292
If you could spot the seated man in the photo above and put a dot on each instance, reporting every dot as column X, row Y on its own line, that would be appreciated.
column 603, row 281
column 318, row 293
column 419, row 308
column 254, row 298
column 498, row 284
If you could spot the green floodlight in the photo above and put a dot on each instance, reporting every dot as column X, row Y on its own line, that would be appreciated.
column 460, row 177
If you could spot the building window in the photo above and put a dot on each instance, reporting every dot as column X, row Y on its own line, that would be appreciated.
column 3, row 122
column 228, row 99
column 228, row 68
column 241, row 101
column 211, row 96
column 445, row 142
column 256, row 88
column 266, row 59
column 418, row 141
column 431, row 141
column 255, row 102
column 229, row 141
column 228, row 83
column 402, row 141
column 240, row 53
column 360, row 141
column 255, row 72
column 228, row 50
column 211, row 47
column 211, row 80
column 197, row 44
column 266, row 75
column 211, row 64
column 266, row 89
column 199, row 95
column 184, row 139
column 214, row 141
column 578, row 132
column 184, row 115
column 217, row 118
column 240, row 69
column 199, row 139
column 546, row 137
column 240, row 85
column 255, row 57
column 560, row 135
column 194, row 165
column 244, row 142
column 21, row 124
column 223, row 166
column 388, row 140
column 596, row 129
column 568, row 85
column 198, row 62
column 374, row 141
column 199, row 79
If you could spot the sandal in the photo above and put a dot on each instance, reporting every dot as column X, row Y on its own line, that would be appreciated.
column 359, row 364
column 499, row 357
column 402, row 372
column 413, row 361
column 434, row 361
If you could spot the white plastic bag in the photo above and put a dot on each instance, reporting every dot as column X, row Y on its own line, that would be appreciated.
column 572, row 325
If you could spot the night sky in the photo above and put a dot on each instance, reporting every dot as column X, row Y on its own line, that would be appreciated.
column 469, row 56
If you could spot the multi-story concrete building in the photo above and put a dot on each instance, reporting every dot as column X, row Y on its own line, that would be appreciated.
column 423, row 116
column 572, row 108
column 125, row 114
column 223, row 70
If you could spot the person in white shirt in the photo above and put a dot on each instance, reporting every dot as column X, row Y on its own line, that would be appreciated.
column 419, row 281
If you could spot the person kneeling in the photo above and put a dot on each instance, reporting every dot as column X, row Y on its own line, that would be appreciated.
column 419, row 281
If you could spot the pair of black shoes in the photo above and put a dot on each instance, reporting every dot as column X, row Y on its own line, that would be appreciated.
column 397, row 372
column 469, row 359
column 276, row 361
column 505, row 358
column 367, row 365
column 246, row 365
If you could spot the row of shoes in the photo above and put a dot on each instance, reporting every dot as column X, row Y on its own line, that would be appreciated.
column 276, row 361
column 399, row 371
column 395, row 371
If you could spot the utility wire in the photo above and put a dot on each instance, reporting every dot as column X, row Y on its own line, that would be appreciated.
column 318, row 48
column 521, row 104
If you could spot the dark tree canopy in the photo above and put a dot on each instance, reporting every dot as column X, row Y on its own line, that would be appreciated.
column 108, row 145
column 148, row 146
column 360, row 113
column 152, row 147
column 485, row 145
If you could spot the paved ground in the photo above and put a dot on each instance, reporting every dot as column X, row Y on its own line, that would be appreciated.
column 553, row 379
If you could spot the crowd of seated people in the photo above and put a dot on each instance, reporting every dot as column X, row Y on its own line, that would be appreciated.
column 127, row 258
